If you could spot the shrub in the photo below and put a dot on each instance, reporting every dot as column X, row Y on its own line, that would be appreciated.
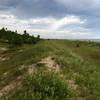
column 77, row 45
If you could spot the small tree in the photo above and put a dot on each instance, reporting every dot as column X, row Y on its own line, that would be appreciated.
column 38, row 37
column 25, row 31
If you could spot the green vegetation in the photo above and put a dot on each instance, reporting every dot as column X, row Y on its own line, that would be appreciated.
column 43, row 86
column 78, row 79
column 16, row 39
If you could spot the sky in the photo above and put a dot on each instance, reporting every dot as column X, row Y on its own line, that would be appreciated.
column 56, row 19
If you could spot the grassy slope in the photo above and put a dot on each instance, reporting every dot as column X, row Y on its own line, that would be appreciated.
column 79, row 64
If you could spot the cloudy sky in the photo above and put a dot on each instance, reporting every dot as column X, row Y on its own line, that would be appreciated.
column 52, row 18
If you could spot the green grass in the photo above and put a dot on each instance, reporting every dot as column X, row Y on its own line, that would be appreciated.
column 81, row 64
column 43, row 86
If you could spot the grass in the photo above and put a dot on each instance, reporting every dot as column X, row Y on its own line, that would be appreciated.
column 43, row 86
column 78, row 63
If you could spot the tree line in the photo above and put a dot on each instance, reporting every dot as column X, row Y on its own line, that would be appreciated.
column 14, row 38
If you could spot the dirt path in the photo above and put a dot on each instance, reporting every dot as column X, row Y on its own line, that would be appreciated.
column 31, row 69
column 51, row 64
column 16, row 84
column 3, row 48
column 4, row 58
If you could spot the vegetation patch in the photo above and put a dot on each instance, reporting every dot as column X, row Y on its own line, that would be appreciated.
column 52, row 70
column 44, row 86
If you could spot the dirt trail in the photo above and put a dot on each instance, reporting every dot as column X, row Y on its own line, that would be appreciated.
column 4, row 58
column 31, row 69
column 3, row 48
column 48, row 62
column 16, row 84
column 51, row 64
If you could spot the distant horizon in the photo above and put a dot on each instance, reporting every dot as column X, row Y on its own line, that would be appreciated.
column 35, row 34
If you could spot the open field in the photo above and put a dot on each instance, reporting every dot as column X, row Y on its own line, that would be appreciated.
column 50, row 70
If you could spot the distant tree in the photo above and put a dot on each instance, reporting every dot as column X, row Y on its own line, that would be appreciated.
column 25, row 36
column 14, row 38
column 2, row 33
column 16, row 31
column 25, row 32
column 6, row 29
column 38, row 37
column 3, row 29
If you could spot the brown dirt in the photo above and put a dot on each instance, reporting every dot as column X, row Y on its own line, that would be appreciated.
column 20, row 50
column 10, row 87
column 32, row 69
column 51, row 64
column 72, row 84
column 4, row 58
column 3, row 49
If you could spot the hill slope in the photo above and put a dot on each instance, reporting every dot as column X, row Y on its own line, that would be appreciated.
column 50, row 70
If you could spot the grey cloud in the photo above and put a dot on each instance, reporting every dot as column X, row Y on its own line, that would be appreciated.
column 33, row 8
column 81, row 6
column 55, row 8
column 26, row 9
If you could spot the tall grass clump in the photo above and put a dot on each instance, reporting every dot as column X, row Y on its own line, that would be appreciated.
column 47, row 85
column 44, row 86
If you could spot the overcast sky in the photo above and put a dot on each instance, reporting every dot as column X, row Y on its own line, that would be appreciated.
column 52, row 18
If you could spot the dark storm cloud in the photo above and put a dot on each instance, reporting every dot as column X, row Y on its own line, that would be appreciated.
column 55, row 8
column 8, row 4
column 33, row 8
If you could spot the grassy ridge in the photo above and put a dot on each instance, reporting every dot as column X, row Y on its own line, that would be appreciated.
column 80, row 64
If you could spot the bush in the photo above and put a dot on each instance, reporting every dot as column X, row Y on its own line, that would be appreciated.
column 77, row 45
column 17, row 40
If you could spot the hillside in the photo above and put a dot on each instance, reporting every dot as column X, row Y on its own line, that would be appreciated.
column 50, row 70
